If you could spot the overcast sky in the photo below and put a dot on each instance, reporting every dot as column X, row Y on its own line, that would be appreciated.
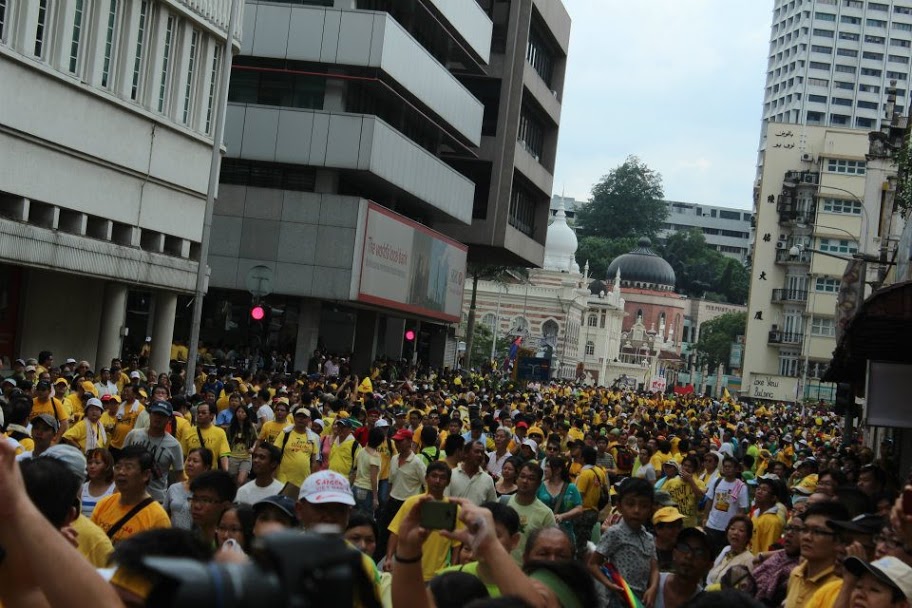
column 678, row 83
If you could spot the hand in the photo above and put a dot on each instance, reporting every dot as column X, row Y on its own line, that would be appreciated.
column 13, row 497
column 411, row 534
column 478, row 532
column 901, row 521
column 649, row 597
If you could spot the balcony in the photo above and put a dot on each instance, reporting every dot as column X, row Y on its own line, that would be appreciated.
column 789, row 295
column 784, row 256
column 803, row 177
column 785, row 337
column 792, row 213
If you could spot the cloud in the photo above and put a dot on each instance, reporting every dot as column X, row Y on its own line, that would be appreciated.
column 679, row 84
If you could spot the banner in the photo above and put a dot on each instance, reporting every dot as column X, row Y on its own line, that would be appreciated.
column 774, row 388
column 409, row 267
column 851, row 292
column 657, row 384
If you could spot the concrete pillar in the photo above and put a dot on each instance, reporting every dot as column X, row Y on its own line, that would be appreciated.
column 308, row 332
column 437, row 347
column 163, row 330
column 113, row 321
column 392, row 342
column 365, row 342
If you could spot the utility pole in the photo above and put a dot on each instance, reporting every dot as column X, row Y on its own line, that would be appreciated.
column 214, row 167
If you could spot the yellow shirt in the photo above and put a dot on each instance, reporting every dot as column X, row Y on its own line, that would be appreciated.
column 589, row 483
column 342, row 455
column 51, row 406
column 271, row 430
column 683, row 494
column 386, row 450
column 73, row 406
column 801, row 587
column 825, row 597
column 109, row 511
column 768, row 528
column 436, row 552
column 657, row 460
column 79, row 433
column 296, row 458
column 92, row 542
column 118, row 431
column 215, row 440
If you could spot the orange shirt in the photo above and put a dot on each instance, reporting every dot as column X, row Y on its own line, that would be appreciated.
column 108, row 512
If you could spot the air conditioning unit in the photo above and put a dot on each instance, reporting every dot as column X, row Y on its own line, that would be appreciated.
column 781, row 244
column 808, row 158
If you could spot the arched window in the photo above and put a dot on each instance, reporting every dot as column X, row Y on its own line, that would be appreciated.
column 489, row 319
column 550, row 328
column 590, row 347
column 661, row 317
column 593, row 321
column 520, row 325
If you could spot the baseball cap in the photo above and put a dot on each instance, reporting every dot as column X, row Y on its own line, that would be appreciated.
column 43, row 385
column 381, row 423
column 281, row 502
column 48, row 420
column 402, row 434
column 9, row 380
column 89, row 387
column 161, row 407
column 135, row 375
column 327, row 487
column 70, row 361
column 890, row 570
column 29, row 368
column 806, row 486
column 672, row 463
column 532, row 444
column 522, row 424
column 666, row 515
column 534, row 430
column 866, row 523
column 94, row 401
column 664, row 499
column 60, row 381
column 302, row 410
column 318, row 422
column 69, row 455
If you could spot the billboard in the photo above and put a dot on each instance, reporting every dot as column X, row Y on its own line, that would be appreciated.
column 533, row 369
column 408, row 267
column 774, row 388
column 657, row 384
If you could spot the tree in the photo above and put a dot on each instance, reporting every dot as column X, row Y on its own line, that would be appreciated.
column 703, row 272
column 481, row 346
column 599, row 251
column 486, row 272
column 625, row 203
column 716, row 337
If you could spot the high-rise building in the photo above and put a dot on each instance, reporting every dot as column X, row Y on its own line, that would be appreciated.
column 368, row 143
column 726, row 229
column 106, row 117
column 831, row 61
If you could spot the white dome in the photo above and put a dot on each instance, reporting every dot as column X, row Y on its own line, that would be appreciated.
column 561, row 244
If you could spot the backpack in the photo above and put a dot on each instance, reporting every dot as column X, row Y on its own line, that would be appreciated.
column 604, row 490
column 624, row 459
column 427, row 457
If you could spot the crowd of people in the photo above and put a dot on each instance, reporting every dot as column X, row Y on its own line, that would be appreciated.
column 560, row 494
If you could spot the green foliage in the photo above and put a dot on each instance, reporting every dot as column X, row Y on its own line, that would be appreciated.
column 481, row 346
column 716, row 337
column 701, row 271
column 599, row 252
column 625, row 203
column 903, row 158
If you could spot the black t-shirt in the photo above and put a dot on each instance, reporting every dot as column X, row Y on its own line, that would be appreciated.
column 664, row 556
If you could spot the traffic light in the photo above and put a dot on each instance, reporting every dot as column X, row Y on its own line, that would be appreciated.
column 409, row 335
column 409, row 340
column 257, row 312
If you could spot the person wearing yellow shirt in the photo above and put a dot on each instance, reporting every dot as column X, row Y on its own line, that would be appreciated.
column 437, row 550
column 765, row 515
column 298, row 450
column 590, row 482
column 88, row 433
column 661, row 455
column 131, row 510
column 273, row 428
column 344, row 448
column 43, row 403
column 685, row 488
column 128, row 410
column 207, row 435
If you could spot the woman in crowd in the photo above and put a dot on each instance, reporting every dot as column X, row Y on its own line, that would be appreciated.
column 828, row 480
column 100, row 469
column 560, row 495
column 738, row 533
column 236, row 524
column 177, row 498
column 643, row 468
column 367, row 473
column 242, row 434
column 506, row 485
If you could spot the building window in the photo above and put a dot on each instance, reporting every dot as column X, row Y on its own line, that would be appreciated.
column 191, row 66
column 845, row 69
column 849, row 167
column 872, row 55
column 531, row 135
column 140, row 42
column 823, row 33
column 876, row 23
column 818, row 65
column 823, row 327
column 826, row 285
column 848, row 86
column 41, row 30
column 539, row 57
column 729, row 215
column 3, row 9
column 902, row 10
column 869, row 88
column 871, row 72
column 839, row 119
column 818, row 82
column 166, row 58
column 817, row 98
column 77, row 36
column 825, row 16
column 868, row 105
column 213, row 79
column 819, row 48
column 847, row 52
column 490, row 320
column 276, row 88
column 864, row 123
column 876, row 6
column 590, row 348
column 838, row 205
column 898, row 59
column 875, row 39
column 840, row 101
column 522, row 210
column 267, row 175
column 854, row 3
column 850, row 20
column 903, row 43
column 109, row 43
column 903, row 27
column 848, row 36
column 838, row 246
column 789, row 364
column 896, row 76
column 592, row 321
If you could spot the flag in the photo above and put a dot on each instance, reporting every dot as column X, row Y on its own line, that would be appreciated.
column 726, row 396
column 514, row 348
column 615, row 577
column 687, row 389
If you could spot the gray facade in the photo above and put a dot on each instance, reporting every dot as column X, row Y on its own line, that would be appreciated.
column 726, row 229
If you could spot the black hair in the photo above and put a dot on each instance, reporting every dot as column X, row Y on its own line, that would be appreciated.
column 376, row 436
column 456, row 589
column 573, row 574
column 428, row 436
column 533, row 466
column 219, row 482
column 52, row 487
column 359, row 518
column 453, row 444
column 856, row 501
column 159, row 542
column 829, row 510
column 138, row 453
column 635, row 487
column 245, row 431
column 726, row 598
column 693, row 460
column 589, row 455
column 247, row 518
column 561, row 463
column 204, row 454
column 504, row 515
column 439, row 465
column 275, row 454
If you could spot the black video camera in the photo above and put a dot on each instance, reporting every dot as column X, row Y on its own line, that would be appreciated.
column 290, row 569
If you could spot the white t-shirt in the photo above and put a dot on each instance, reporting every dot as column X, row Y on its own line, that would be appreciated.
column 265, row 413
column 250, row 493
column 725, row 495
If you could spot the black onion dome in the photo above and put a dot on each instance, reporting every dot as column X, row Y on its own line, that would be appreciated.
column 642, row 268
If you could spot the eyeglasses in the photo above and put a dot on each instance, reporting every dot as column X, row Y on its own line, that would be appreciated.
column 793, row 529
column 818, row 532
column 890, row 541
column 229, row 529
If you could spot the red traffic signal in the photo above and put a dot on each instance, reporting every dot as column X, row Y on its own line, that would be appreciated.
column 409, row 335
column 257, row 312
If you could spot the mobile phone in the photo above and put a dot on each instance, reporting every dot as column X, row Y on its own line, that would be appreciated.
column 907, row 501
column 438, row 515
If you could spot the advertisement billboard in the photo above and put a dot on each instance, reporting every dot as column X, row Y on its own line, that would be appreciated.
column 774, row 388
column 409, row 267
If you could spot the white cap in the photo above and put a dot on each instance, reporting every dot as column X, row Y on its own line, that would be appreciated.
column 327, row 487
column 889, row 570
column 135, row 375
column 381, row 423
column 70, row 361
column 94, row 401
column 532, row 444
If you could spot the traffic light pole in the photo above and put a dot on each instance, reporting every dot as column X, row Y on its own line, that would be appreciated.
column 214, row 166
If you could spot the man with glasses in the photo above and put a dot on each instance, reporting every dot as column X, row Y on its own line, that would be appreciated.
column 889, row 544
column 533, row 513
column 819, row 547
column 692, row 562
column 773, row 567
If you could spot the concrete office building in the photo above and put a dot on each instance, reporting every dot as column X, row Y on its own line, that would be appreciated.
column 569, row 205
column 368, row 142
column 830, row 62
column 811, row 200
column 106, row 115
column 727, row 230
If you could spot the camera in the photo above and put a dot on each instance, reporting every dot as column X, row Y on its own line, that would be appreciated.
column 292, row 569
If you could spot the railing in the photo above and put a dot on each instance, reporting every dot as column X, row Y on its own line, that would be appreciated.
column 790, row 212
column 215, row 12
column 789, row 295
column 784, row 256
column 784, row 337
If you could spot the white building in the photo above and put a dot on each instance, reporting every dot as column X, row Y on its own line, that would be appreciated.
column 830, row 62
column 106, row 114
column 726, row 229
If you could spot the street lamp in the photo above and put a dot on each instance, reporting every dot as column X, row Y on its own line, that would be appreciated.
column 865, row 220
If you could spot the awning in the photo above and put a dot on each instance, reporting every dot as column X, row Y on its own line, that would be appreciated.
column 881, row 330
